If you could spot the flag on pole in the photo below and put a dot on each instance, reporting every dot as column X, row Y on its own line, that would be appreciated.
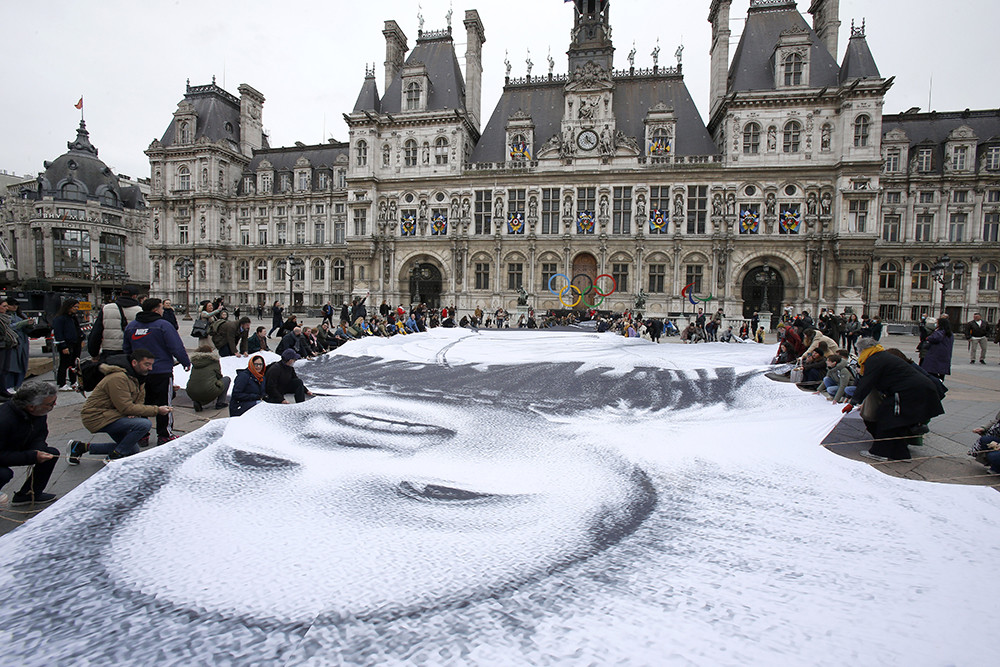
column 79, row 105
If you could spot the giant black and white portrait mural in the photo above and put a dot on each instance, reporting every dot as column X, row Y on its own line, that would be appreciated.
column 508, row 498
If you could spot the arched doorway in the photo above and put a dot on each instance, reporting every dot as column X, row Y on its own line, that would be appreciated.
column 584, row 275
column 425, row 285
column 763, row 289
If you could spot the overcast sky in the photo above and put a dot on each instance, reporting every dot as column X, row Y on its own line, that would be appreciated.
column 130, row 60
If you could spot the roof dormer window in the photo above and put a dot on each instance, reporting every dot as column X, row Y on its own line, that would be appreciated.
column 412, row 96
column 185, row 132
column 793, row 66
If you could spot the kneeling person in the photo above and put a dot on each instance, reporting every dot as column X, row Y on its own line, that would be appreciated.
column 116, row 407
column 24, row 424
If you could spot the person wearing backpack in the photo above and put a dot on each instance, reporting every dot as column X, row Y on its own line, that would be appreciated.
column 107, row 333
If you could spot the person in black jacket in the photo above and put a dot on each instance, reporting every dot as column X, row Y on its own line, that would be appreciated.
column 280, row 379
column 68, row 339
column 168, row 313
column 276, row 320
column 910, row 400
column 24, row 424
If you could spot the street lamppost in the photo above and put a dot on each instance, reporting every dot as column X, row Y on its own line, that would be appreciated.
column 185, row 268
column 289, row 265
column 765, row 278
column 942, row 274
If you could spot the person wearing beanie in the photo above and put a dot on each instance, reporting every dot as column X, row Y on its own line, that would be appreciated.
column 280, row 379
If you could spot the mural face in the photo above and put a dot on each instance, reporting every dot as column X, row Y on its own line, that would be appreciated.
column 591, row 499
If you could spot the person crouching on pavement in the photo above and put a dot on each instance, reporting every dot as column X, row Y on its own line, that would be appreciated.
column 117, row 407
column 24, row 424
column 207, row 383
column 280, row 379
column 248, row 390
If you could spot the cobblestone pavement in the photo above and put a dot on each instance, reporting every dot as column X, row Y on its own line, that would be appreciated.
column 973, row 400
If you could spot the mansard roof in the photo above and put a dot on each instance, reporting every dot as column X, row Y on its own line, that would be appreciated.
column 932, row 130
column 218, row 115
column 436, row 52
column 753, row 64
column 634, row 96
column 368, row 97
column 858, row 61
column 320, row 156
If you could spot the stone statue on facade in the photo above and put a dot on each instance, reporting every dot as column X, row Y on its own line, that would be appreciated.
column 522, row 297
column 640, row 300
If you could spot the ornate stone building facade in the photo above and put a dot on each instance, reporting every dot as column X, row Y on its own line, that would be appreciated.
column 787, row 195
column 77, row 228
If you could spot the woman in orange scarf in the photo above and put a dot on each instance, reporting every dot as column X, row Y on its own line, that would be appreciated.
column 248, row 390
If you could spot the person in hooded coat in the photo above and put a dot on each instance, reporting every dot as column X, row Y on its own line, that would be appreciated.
column 206, row 382
column 938, row 349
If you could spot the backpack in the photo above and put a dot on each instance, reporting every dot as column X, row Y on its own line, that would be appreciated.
column 213, row 328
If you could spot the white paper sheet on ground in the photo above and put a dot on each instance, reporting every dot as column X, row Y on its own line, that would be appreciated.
column 230, row 365
column 479, row 500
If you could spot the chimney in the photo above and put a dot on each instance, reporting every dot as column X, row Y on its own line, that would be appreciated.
column 475, row 38
column 395, row 51
column 826, row 23
column 251, row 121
column 718, row 16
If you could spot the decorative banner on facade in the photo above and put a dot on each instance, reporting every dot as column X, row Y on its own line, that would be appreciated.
column 408, row 225
column 659, row 147
column 658, row 220
column 749, row 221
column 585, row 222
column 519, row 151
column 515, row 222
column 439, row 224
column 789, row 220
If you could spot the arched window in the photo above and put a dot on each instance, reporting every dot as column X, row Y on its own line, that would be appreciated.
column 262, row 271
column 888, row 276
column 410, row 153
column 109, row 198
column 792, row 135
column 185, row 132
column 988, row 277
column 73, row 192
column 861, row 127
column 362, row 154
column 412, row 96
column 319, row 269
column 243, row 271
column 921, row 276
column 440, row 151
column 660, row 145
column 338, row 270
column 851, row 278
column 792, row 66
column 751, row 139
column 183, row 178
column 957, row 276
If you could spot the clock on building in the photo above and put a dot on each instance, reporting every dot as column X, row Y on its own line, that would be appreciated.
column 587, row 140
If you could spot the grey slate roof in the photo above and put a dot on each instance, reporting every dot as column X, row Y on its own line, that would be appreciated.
column 447, row 86
column 633, row 97
column 368, row 97
column 215, row 107
column 753, row 67
column 321, row 157
column 81, row 166
column 931, row 130
column 858, row 61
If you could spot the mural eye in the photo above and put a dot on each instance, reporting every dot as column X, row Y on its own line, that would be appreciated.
column 441, row 493
column 243, row 459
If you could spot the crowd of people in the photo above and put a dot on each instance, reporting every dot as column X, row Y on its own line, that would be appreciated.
column 134, row 345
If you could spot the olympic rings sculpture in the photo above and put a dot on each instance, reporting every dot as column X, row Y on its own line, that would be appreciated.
column 568, row 289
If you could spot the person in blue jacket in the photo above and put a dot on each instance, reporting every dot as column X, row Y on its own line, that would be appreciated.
column 248, row 390
column 151, row 332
